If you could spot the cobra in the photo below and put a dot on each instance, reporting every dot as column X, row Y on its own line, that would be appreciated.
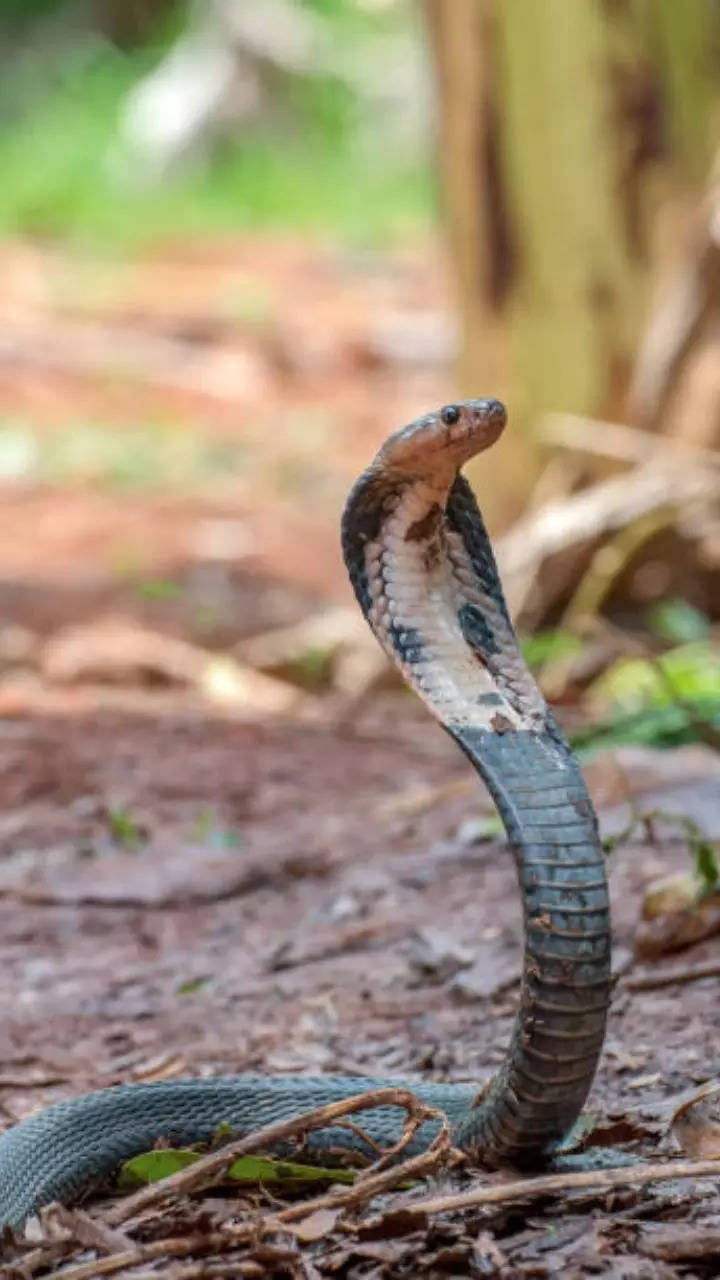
column 423, row 571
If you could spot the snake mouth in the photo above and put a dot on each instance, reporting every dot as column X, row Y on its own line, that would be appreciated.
column 444, row 440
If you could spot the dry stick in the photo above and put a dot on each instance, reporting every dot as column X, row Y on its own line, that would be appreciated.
column 596, row 513
column 213, row 1166
column 367, row 1187
column 207, row 1243
column 345, row 1197
column 204, row 1271
column 550, row 1183
column 520, row 1189
column 665, row 977
column 622, row 443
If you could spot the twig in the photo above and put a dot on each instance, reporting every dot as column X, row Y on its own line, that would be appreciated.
column 685, row 312
column 595, row 513
column 214, row 1165
column 666, row 977
column 609, row 561
column 552, row 1183
column 370, row 1185
column 142, row 1253
column 518, row 1189
column 618, row 441
column 239, row 1269
column 681, row 1242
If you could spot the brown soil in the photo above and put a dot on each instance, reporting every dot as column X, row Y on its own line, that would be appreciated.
column 187, row 889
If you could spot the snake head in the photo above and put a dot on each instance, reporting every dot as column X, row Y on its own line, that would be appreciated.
column 438, row 444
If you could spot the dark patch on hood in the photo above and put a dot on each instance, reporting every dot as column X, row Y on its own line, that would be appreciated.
column 372, row 499
column 477, row 632
column 426, row 527
column 463, row 516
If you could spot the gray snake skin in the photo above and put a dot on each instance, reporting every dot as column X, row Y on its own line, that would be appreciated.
column 423, row 571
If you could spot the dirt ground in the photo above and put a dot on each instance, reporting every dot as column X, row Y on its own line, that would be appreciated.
column 192, row 886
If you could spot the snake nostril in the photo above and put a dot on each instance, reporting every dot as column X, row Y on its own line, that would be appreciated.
column 496, row 411
column 489, row 411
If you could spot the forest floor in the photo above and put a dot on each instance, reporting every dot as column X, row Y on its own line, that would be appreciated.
column 194, row 882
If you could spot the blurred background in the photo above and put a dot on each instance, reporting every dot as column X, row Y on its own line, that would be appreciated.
column 242, row 242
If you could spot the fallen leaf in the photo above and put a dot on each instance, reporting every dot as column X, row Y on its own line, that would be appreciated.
column 115, row 650
column 168, row 873
column 492, row 972
column 153, row 1166
column 645, row 1082
column 695, row 1124
column 670, row 894
column 263, row 1169
column 438, row 952
column 679, row 929
column 417, row 800
column 316, row 1225
column 479, row 830
column 614, row 1129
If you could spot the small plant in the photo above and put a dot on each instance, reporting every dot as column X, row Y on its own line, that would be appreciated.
column 703, row 852
column 124, row 828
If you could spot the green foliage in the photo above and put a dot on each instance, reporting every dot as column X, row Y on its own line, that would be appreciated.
column 662, row 727
column 152, row 1166
column 124, row 828
column 193, row 986
column 121, row 456
column 316, row 173
column 687, row 673
column 549, row 646
column 706, row 864
column 678, row 622
column 704, row 854
column 662, row 701
column 208, row 830
column 159, row 589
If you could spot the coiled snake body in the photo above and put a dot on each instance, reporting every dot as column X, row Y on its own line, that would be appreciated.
column 424, row 575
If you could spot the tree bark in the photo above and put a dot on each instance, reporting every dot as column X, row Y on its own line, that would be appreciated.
column 564, row 125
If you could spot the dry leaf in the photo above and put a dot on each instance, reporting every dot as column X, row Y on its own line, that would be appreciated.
column 316, row 1226
column 679, row 929
column 670, row 894
column 695, row 1125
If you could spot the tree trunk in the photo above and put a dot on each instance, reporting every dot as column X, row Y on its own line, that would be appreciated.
column 563, row 125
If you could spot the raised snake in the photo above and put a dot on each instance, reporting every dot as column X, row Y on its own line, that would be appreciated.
column 424, row 574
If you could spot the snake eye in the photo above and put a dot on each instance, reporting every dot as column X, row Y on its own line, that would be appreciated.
column 450, row 414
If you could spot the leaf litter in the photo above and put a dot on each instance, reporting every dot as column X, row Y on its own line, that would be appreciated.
column 398, row 1015
column 158, row 949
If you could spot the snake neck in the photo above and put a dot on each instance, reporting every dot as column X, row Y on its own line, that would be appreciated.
column 565, row 990
column 425, row 576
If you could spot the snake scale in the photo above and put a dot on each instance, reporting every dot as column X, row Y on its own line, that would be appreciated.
column 424, row 574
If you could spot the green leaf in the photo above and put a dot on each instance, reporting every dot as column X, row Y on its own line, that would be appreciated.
column 706, row 864
column 678, row 622
column 159, row 589
column 688, row 673
column 124, row 828
column 153, row 1166
column 191, row 986
column 262, row 1169
column 549, row 646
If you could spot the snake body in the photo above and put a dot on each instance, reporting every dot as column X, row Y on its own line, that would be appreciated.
column 423, row 571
